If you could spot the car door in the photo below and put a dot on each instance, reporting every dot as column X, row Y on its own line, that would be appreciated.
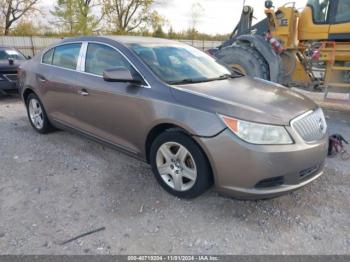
column 108, row 110
column 57, row 77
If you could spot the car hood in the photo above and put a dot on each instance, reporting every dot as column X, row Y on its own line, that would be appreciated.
column 5, row 66
column 245, row 98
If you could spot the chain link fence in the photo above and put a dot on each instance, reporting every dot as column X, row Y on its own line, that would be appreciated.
column 31, row 45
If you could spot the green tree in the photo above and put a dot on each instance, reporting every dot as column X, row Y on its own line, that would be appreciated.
column 13, row 10
column 159, row 32
column 129, row 15
column 171, row 33
column 65, row 14
column 25, row 28
column 87, row 21
column 76, row 16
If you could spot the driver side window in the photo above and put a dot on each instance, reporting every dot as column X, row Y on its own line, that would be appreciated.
column 101, row 57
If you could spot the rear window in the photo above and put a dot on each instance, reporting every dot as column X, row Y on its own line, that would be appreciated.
column 48, row 56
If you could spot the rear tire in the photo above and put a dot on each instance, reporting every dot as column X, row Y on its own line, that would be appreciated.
column 183, row 173
column 37, row 115
column 245, row 59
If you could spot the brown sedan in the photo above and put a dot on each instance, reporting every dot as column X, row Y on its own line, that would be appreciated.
column 193, row 120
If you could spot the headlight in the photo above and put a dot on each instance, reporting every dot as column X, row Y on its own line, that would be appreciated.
column 260, row 134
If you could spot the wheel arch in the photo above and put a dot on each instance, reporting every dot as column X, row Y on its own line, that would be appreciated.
column 163, row 127
column 26, row 93
column 264, row 48
column 156, row 131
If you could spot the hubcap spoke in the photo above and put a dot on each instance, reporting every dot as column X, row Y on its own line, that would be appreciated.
column 40, row 121
column 181, row 154
column 177, row 182
column 166, row 153
column 189, row 173
column 32, row 103
column 164, row 170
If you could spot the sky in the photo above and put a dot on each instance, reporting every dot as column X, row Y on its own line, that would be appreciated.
column 218, row 16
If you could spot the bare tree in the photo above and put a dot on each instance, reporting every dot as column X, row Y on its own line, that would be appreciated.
column 13, row 10
column 127, row 15
column 197, row 11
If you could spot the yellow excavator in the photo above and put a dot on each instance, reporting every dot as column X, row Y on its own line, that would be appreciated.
column 308, row 48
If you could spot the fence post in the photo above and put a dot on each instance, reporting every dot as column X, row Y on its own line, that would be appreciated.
column 32, row 43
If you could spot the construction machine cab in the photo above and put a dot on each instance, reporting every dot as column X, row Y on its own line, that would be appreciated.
column 308, row 48
column 325, row 20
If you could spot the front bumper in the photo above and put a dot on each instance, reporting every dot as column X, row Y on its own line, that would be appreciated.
column 6, row 85
column 249, row 171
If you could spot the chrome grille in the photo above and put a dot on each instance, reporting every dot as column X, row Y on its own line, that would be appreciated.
column 311, row 126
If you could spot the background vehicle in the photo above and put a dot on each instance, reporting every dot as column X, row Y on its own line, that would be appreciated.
column 310, row 48
column 10, row 59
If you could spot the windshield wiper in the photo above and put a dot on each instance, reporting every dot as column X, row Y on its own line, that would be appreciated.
column 222, row 77
column 193, row 81
column 236, row 73
column 187, row 81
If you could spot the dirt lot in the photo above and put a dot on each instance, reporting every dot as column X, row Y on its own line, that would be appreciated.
column 57, row 186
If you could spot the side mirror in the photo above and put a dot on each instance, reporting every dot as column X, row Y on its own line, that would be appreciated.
column 119, row 74
column 11, row 61
column 29, row 57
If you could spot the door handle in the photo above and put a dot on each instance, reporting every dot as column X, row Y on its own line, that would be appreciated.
column 42, row 79
column 83, row 92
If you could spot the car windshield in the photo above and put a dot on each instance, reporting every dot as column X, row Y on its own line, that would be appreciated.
column 11, row 53
column 180, row 64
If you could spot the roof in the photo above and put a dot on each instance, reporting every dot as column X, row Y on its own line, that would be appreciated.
column 125, row 39
column 7, row 47
column 140, row 40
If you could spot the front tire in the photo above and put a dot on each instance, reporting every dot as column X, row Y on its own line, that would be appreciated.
column 245, row 59
column 37, row 115
column 179, row 165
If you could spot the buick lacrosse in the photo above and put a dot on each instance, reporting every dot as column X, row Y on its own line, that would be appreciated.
column 193, row 120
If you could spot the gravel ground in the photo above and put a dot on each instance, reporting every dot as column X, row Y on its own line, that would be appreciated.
column 57, row 186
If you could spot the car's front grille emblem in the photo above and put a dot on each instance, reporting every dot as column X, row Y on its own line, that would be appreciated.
column 312, row 126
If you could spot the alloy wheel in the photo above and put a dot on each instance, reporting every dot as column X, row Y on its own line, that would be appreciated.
column 36, row 113
column 176, row 166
